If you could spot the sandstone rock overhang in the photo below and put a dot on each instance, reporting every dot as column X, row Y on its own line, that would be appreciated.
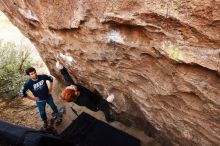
column 159, row 59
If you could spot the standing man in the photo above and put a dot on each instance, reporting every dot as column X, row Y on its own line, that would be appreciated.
column 42, row 93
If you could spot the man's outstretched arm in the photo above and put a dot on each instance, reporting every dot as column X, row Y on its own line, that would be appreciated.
column 68, row 80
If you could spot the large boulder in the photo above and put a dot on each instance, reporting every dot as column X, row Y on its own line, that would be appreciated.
column 159, row 59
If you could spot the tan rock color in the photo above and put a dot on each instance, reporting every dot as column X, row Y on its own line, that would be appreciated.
column 160, row 59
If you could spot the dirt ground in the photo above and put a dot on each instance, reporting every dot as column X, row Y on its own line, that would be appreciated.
column 23, row 112
column 20, row 111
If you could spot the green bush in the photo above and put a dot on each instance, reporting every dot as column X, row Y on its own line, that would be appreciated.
column 13, row 60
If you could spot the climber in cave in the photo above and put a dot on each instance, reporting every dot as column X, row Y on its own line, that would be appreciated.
column 82, row 96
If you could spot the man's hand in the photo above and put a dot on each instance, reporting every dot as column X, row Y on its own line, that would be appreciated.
column 33, row 98
column 58, row 65
column 36, row 99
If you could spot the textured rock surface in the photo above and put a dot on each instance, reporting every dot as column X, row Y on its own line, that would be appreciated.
column 160, row 59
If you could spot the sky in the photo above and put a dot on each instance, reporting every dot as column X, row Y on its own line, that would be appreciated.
column 10, row 33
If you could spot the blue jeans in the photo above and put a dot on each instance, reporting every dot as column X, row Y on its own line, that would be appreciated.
column 42, row 104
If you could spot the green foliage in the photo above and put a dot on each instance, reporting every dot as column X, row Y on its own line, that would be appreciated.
column 13, row 60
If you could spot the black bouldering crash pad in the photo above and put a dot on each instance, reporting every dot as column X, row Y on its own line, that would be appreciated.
column 88, row 131
column 85, row 130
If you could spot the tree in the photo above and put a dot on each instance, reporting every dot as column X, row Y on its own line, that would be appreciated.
column 13, row 60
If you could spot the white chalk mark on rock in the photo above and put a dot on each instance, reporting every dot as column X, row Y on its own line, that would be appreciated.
column 110, row 98
column 67, row 58
column 114, row 36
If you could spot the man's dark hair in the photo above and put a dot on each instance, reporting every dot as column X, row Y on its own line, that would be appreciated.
column 29, row 70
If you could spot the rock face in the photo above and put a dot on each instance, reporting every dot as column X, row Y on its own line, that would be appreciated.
column 160, row 59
